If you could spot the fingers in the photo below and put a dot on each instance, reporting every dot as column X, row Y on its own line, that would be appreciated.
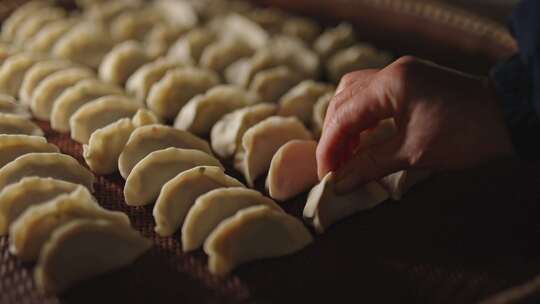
column 340, row 136
column 371, row 164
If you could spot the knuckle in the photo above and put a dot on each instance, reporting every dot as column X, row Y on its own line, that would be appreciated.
column 404, row 67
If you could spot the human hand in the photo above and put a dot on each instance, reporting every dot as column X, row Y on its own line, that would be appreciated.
column 444, row 120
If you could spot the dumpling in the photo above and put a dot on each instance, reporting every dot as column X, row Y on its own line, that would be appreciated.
column 147, row 139
column 300, row 100
column 261, row 142
column 44, row 40
column 189, row 48
column 354, row 58
column 105, row 145
column 9, row 105
column 177, row 87
column 13, row 146
column 270, row 19
column 39, row 71
column 33, row 228
column 145, row 117
column 269, row 85
column 226, row 135
column 177, row 13
column 76, row 96
column 325, row 205
column 397, row 184
column 293, row 170
column 98, row 114
column 161, row 37
column 48, row 90
column 179, row 194
column 242, row 71
column 236, row 26
column 302, row 28
column 254, row 233
column 108, row 11
column 28, row 192
column 220, row 54
column 122, row 61
column 87, row 43
column 31, row 26
column 55, row 165
column 133, row 24
column 140, row 82
column 319, row 113
column 19, row 16
column 7, row 51
column 334, row 39
column 12, row 72
column 295, row 54
column 82, row 249
column 157, row 168
column 214, row 206
column 204, row 110
column 15, row 124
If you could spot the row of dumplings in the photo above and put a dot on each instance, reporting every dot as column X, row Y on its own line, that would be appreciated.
column 60, row 225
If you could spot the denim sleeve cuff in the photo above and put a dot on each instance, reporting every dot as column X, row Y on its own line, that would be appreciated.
column 513, row 84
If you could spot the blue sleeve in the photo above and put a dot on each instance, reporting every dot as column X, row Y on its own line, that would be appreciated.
column 517, row 81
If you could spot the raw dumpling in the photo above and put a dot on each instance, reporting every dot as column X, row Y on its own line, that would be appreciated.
column 254, row 233
column 7, row 51
column 160, row 38
column 319, row 113
column 12, row 72
column 87, row 43
column 236, row 26
column 295, row 54
column 354, row 58
column 220, row 54
column 105, row 145
column 48, row 90
column 214, row 206
column 39, row 71
column 226, row 134
column 147, row 139
column 175, row 89
column 204, row 110
column 140, row 82
column 334, row 39
column 55, row 165
column 261, row 142
column 269, row 85
column 108, row 11
column 30, row 191
column 82, row 249
column 189, row 48
column 31, row 26
column 300, row 100
column 13, row 146
column 179, row 194
column 293, row 170
column 177, row 13
column 9, row 105
column 397, row 184
column 242, row 71
column 122, row 61
column 15, row 124
column 145, row 117
column 74, row 97
column 33, row 228
column 325, row 205
column 99, row 113
column 302, row 28
column 270, row 19
column 157, row 168
column 19, row 16
column 45, row 39
column 134, row 24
